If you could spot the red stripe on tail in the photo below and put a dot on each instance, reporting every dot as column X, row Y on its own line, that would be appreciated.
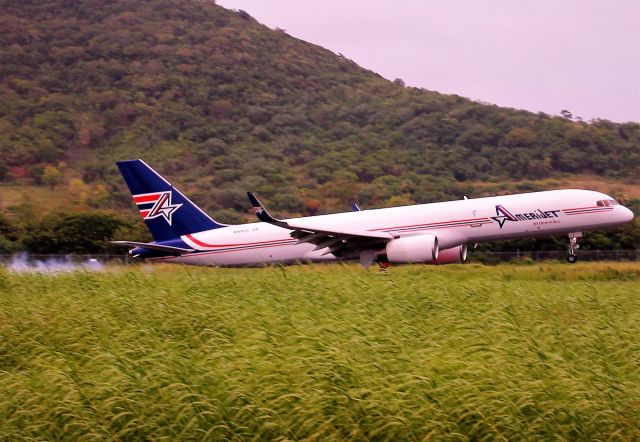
column 150, row 198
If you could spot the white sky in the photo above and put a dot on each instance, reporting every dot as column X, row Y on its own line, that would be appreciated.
column 539, row 55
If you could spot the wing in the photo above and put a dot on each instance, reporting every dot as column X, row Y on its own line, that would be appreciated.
column 343, row 243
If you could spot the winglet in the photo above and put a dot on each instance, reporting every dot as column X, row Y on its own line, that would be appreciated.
column 355, row 207
column 263, row 214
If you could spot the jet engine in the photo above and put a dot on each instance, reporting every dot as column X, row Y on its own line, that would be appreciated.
column 418, row 248
column 454, row 255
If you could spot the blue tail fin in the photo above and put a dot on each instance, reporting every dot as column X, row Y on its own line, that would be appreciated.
column 167, row 212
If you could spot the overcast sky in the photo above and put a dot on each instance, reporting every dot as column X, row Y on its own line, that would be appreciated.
column 540, row 55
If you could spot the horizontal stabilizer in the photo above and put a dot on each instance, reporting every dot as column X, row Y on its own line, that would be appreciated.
column 152, row 246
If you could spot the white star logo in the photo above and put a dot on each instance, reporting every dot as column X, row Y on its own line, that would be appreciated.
column 163, row 208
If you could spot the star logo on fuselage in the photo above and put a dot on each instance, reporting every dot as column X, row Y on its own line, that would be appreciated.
column 163, row 208
column 502, row 215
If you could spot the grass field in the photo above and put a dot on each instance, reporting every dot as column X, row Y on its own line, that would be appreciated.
column 536, row 352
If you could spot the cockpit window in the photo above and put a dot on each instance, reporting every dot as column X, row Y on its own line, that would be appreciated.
column 607, row 203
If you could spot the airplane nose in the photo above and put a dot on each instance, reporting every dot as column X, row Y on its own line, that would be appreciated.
column 627, row 215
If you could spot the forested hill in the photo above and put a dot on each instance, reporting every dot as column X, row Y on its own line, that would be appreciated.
column 223, row 104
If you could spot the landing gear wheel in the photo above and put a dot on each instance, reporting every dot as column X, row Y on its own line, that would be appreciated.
column 383, row 262
column 573, row 247
column 384, row 265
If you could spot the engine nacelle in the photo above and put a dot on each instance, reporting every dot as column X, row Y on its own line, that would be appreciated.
column 454, row 255
column 418, row 248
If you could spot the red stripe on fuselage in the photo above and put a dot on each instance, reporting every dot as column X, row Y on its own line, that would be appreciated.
column 264, row 246
column 204, row 244
column 216, row 252
column 588, row 212
column 437, row 225
column 430, row 224
column 590, row 207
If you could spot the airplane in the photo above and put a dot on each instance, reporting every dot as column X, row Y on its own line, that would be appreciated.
column 436, row 233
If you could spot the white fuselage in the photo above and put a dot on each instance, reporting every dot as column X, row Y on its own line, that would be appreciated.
column 454, row 223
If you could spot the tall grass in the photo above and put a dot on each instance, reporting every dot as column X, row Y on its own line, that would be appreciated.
column 322, row 353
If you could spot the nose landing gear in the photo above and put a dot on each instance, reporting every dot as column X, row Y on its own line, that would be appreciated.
column 573, row 247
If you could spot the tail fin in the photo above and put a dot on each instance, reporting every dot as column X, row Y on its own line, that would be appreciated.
column 167, row 212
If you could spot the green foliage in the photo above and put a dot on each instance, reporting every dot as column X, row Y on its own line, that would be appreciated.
column 222, row 104
column 87, row 232
column 10, row 234
column 71, row 233
column 536, row 352
column 51, row 176
column 201, row 91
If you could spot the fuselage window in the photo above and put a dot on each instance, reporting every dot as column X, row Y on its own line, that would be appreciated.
column 607, row 203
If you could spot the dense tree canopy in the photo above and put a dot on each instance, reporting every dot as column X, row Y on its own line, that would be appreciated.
column 223, row 104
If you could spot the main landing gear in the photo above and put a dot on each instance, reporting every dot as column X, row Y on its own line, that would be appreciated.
column 573, row 247
column 383, row 262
